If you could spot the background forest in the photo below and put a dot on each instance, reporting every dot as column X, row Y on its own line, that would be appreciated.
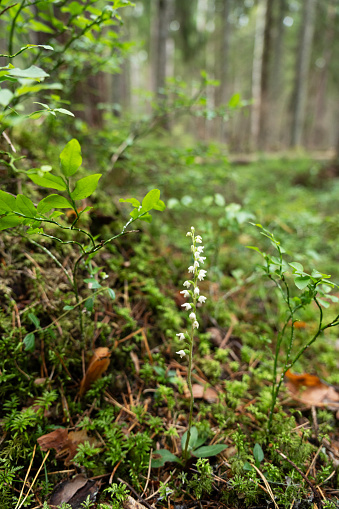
column 169, row 283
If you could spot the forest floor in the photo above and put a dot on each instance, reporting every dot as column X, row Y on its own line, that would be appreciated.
column 84, row 415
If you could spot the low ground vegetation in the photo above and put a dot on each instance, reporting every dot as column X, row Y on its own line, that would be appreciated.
column 103, row 395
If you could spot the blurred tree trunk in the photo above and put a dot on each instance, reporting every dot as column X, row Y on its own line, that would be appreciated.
column 276, row 78
column 160, row 46
column 223, row 63
column 302, row 71
column 265, row 76
column 319, row 134
column 257, row 73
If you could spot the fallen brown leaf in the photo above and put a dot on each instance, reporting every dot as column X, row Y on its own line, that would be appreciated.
column 200, row 392
column 97, row 366
column 65, row 490
column 74, row 492
column 57, row 440
column 65, row 442
column 316, row 392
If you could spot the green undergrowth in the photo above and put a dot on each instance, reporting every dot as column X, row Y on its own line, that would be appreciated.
column 140, row 404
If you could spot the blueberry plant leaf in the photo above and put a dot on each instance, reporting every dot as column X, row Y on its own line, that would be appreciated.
column 7, row 202
column 85, row 186
column 10, row 221
column 133, row 201
column 25, row 206
column 49, row 180
column 302, row 281
column 70, row 158
column 53, row 201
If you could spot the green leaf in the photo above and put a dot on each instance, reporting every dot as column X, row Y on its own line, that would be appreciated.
column 193, row 439
column 34, row 319
column 302, row 281
column 94, row 284
column 24, row 205
column 53, row 201
column 258, row 453
column 37, row 26
column 219, row 199
column 70, row 158
column 297, row 266
column 85, row 187
column 161, row 456
column 89, row 304
column 247, row 466
column 147, row 217
column 32, row 72
column 68, row 308
column 150, row 201
column 29, row 342
column 7, row 202
column 209, row 450
column 323, row 303
column 10, row 221
column 159, row 206
column 65, row 112
column 5, row 96
column 133, row 201
column 49, row 180
column 111, row 293
column 234, row 101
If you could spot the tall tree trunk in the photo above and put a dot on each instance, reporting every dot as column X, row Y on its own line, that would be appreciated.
column 319, row 128
column 276, row 78
column 160, row 44
column 265, row 75
column 257, row 73
column 222, row 96
column 302, row 71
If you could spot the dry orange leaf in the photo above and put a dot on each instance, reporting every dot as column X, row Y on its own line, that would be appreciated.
column 97, row 366
column 306, row 379
column 316, row 392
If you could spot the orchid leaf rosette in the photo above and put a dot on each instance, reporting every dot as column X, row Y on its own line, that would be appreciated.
column 192, row 292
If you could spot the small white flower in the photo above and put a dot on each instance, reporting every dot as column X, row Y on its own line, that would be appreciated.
column 202, row 299
column 185, row 293
column 191, row 268
column 181, row 336
column 188, row 234
column 195, row 324
column 198, row 239
column 192, row 228
column 187, row 306
column 199, row 249
column 196, row 290
column 187, row 284
column 181, row 353
column 201, row 259
column 202, row 274
column 196, row 264
column 192, row 316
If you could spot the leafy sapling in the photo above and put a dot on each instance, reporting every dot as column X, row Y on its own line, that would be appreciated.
column 20, row 211
column 314, row 287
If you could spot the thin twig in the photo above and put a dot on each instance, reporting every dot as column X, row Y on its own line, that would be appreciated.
column 315, row 492
column 143, row 502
